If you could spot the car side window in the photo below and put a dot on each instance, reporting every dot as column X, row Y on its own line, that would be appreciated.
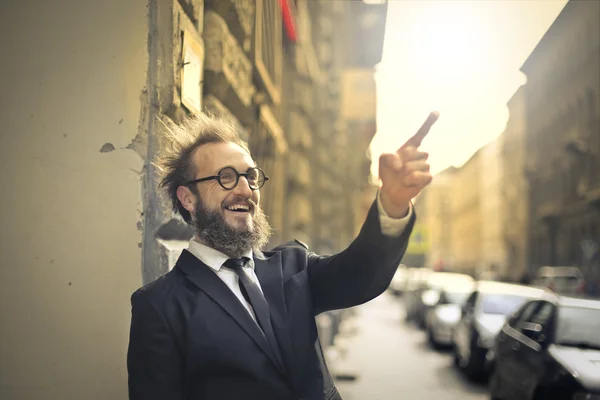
column 525, row 314
column 538, row 325
column 543, row 315
column 470, row 303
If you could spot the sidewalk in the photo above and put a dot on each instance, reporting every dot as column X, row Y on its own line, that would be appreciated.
column 394, row 362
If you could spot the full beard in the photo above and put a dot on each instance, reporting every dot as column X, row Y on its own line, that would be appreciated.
column 213, row 230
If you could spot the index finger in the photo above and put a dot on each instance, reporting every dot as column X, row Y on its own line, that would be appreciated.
column 418, row 137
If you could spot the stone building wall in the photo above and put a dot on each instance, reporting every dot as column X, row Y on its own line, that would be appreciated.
column 562, row 100
column 514, row 188
column 75, row 111
column 466, row 216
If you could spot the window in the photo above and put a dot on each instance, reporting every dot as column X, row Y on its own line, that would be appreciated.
column 268, row 145
column 537, row 323
column 543, row 314
column 470, row 303
column 268, row 48
column 524, row 314
column 501, row 304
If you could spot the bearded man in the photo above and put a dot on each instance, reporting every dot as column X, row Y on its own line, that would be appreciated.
column 232, row 322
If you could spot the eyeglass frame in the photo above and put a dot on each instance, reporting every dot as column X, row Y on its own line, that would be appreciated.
column 237, row 178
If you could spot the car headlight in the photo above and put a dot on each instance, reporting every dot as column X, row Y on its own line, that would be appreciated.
column 447, row 314
column 585, row 396
column 430, row 297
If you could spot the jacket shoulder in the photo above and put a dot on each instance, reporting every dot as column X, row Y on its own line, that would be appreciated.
column 293, row 244
column 160, row 287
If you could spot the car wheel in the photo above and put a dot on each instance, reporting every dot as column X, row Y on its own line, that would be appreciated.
column 431, row 339
column 455, row 355
column 474, row 367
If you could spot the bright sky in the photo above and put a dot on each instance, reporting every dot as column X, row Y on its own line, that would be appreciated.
column 461, row 58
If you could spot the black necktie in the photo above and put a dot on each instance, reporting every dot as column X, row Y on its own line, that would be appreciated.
column 254, row 296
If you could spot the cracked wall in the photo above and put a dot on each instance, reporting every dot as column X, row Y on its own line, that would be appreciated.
column 72, row 154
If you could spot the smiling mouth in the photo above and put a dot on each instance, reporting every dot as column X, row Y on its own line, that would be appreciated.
column 239, row 208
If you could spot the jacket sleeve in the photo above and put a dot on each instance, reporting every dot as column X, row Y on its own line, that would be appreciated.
column 154, row 362
column 359, row 273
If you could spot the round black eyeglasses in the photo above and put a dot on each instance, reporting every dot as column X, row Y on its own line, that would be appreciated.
column 229, row 178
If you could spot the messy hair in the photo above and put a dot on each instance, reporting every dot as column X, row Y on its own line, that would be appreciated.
column 174, row 162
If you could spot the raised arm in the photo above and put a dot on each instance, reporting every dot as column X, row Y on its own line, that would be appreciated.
column 365, row 269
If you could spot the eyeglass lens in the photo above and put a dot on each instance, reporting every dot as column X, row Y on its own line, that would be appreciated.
column 228, row 177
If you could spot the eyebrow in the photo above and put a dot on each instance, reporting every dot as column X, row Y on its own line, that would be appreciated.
column 231, row 166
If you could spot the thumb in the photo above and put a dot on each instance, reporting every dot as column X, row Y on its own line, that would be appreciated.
column 390, row 160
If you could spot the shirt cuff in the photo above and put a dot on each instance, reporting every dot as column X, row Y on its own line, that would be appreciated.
column 392, row 226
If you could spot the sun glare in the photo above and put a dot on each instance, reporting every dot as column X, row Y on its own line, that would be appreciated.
column 461, row 58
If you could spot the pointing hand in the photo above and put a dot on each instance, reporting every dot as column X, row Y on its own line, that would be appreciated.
column 405, row 173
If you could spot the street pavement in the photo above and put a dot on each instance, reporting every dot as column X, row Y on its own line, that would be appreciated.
column 394, row 361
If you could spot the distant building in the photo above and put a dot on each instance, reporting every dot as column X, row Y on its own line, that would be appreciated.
column 467, row 216
column 493, row 250
column 434, row 210
column 514, row 189
column 562, row 101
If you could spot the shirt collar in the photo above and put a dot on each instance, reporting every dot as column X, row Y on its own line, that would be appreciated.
column 211, row 257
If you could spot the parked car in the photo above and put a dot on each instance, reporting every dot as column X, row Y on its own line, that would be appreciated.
column 414, row 289
column 399, row 280
column 442, row 318
column 489, row 276
column 482, row 317
column 561, row 280
column 550, row 349
column 430, row 292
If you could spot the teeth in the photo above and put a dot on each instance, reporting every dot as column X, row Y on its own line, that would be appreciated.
column 235, row 207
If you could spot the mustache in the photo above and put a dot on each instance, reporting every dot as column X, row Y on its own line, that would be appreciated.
column 241, row 200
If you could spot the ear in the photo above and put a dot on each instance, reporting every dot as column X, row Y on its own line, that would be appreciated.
column 186, row 198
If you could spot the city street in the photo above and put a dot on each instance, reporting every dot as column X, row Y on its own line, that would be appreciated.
column 394, row 361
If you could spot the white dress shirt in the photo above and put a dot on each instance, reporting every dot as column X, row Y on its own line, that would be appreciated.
column 215, row 259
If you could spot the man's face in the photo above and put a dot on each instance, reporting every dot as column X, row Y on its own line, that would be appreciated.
column 230, row 221
column 238, row 206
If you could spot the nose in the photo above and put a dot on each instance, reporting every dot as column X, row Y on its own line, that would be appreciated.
column 243, row 188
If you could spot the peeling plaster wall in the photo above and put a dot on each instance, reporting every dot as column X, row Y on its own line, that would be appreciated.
column 73, row 100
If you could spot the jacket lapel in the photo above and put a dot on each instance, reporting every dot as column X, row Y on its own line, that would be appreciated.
column 269, row 273
column 205, row 279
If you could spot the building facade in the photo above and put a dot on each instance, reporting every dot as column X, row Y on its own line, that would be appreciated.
column 467, row 216
column 515, row 192
column 493, row 250
column 88, row 91
column 436, row 216
column 76, row 81
column 562, row 101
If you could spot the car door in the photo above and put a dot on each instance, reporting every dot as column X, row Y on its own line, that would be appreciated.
column 462, row 338
column 508, row 360
column 534, row 336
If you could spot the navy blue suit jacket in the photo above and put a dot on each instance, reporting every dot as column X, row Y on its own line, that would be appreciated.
column 192, row 339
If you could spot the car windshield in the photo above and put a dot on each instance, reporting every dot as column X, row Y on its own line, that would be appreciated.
column 501, row 304
column 566, row 280
column 455, row 297
column 578, row 327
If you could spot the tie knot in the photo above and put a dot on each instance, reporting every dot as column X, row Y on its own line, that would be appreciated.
column 236, row 264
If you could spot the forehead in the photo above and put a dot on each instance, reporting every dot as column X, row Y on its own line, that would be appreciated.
column 210, row 158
